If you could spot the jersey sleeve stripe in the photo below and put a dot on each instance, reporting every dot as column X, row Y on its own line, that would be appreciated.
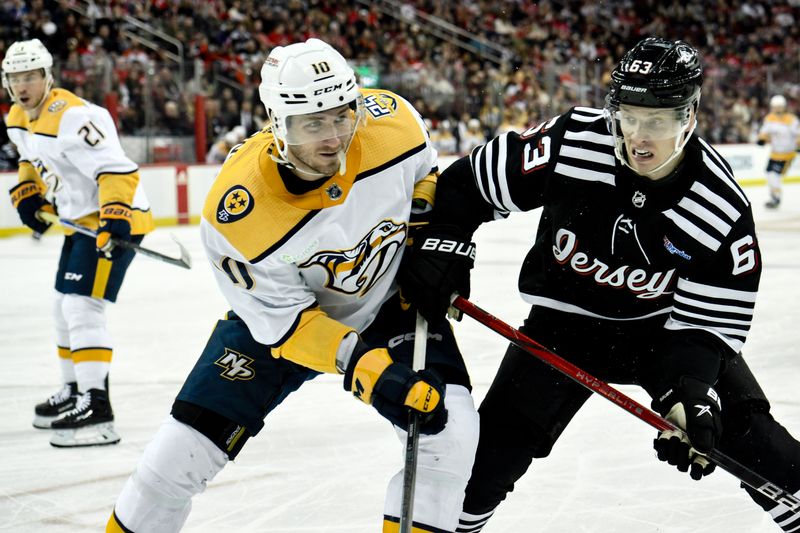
column 729, row 337
column 725, row 177
column 502, row 182
column 705, row 214
column 693, row 231
column 589, row 136
column 713, row 319
column 584, row 174
column 584, row 154
column 711, row 291
column 716, row 200
column 685, row 300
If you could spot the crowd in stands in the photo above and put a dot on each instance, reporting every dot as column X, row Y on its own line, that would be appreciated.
column 558, row 54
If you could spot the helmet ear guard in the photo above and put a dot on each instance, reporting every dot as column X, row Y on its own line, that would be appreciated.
column 25, row 56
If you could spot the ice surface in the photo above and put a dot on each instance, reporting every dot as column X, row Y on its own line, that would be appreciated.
column 323, row 460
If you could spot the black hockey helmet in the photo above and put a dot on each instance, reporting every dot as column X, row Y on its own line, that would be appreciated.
column 657, row 73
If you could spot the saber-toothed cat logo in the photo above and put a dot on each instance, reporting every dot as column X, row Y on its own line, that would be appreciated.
column 359, row 268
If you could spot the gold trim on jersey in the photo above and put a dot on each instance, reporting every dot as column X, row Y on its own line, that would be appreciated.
column 392, row 525
column 58, row 101
column 314, row 342
column 117, row 187
column 83, row 355
column 274, row 213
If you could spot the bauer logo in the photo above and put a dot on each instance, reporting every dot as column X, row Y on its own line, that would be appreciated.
column 235, row 204
column 236, row 365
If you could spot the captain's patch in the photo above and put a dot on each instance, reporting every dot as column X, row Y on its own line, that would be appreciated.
column 236, row 204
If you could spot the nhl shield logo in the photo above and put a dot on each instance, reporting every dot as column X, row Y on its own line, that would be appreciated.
column 638, row 199
column 334, row 192
column 235, row 204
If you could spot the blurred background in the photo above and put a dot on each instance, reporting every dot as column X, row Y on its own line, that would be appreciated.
column 180, row 77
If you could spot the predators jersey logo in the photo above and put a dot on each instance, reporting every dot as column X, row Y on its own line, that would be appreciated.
column 380, row 105
column 235, row 204
column 358, row 269
column 236, row 365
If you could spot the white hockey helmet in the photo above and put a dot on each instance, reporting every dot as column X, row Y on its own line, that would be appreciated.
column 304, row 78
column 24, row 56
column 777, row 102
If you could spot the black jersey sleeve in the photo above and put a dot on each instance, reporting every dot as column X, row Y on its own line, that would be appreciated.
column 508, row 173
column 713, row 305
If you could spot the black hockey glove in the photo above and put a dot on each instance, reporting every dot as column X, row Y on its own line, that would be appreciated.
column 394, row 389
column 437, row 266
column 694, row 406
column 27, row 200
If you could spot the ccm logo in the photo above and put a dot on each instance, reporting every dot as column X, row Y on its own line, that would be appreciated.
column 449, row 247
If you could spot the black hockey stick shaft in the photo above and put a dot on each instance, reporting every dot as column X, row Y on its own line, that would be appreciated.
column 184, row 261
column 412, row 437
column 738, row 470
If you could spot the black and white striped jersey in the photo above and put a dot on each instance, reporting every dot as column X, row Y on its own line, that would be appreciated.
column 612, row 244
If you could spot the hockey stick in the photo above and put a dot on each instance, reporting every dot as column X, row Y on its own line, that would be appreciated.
column 412, row 438
column 738, row 470
column 184, row 261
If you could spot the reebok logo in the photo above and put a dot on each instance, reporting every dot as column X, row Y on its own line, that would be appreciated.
column 449, row 247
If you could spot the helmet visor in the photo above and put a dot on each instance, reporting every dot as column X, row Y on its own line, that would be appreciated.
column 334, row 123
column 651, row 123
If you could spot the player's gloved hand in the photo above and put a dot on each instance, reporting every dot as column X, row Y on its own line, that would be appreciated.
column 394, row 389
column 694, row 406
column 437, row 266
column 27, row 200
column 115, row 224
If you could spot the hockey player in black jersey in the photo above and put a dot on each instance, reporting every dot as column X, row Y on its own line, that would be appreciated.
column 644, row 271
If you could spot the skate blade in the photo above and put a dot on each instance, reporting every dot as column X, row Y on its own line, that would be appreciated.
column 43, row 422
column 96, row 435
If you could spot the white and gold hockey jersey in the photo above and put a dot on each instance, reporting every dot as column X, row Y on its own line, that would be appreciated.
column 781, row 130
column 304, row 270
column 72, row 152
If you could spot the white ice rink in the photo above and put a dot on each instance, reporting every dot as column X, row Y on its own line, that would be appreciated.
column 323, row 460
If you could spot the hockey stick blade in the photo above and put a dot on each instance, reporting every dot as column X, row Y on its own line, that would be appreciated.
column 742, row 473
column 184, row 261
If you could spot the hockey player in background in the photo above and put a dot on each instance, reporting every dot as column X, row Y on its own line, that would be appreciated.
column 781, row 130
column 305, row 227
column 71, row 163
column 644, row 271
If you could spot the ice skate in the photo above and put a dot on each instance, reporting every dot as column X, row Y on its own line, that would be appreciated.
column 90, row 423
column 55, row 406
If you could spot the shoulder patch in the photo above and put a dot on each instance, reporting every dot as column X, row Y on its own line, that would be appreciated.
column 236, row 203
column 57, row 106
column 380, row 105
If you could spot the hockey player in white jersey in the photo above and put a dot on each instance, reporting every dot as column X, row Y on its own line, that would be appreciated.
column 781, row 129
column 305, row 227
column 71, row 163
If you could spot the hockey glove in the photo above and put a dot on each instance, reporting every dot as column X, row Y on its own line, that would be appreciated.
column 694, row 406
column 394, row 389
column 27, row 200
column 115, row 224
column 437, row 266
